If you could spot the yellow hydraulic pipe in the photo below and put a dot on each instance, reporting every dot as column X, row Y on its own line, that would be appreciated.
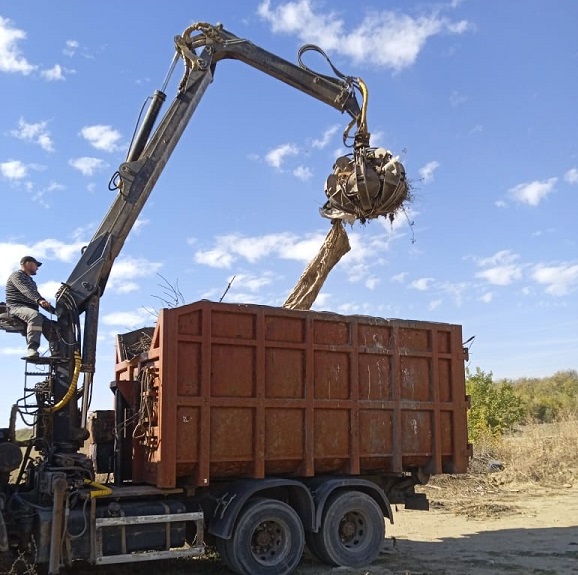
column 100, row 490
column 72, row 389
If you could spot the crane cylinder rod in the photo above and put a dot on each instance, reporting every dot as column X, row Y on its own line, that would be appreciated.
column 147, row 125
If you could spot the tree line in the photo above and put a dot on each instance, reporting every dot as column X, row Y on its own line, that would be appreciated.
column 502, row 405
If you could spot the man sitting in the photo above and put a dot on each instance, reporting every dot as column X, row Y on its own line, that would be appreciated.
column 22, row 301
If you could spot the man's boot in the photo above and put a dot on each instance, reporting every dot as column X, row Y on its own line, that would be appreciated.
column 33, row 335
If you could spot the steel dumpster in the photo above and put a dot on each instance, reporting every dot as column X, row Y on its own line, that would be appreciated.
column 232, row 390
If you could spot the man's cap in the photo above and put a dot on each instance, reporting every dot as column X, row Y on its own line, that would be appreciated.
column 27, row 259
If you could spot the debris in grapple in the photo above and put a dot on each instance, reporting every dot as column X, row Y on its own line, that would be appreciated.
column 367, row 184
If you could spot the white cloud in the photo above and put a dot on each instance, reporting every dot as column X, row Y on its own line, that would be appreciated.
column 58, row 250
column 399, row 277
column 427, row 172
column 37, row 133
column 558, row 279
column 457, row 99
column 229, row 248
column 322, row 301
column 375, row 139
column 434, row 304
column 41, row 193
column 383, row 38
column 372, row 282
column 571, row 176
column 126, row 270
column 501, row 257
column 323, row 142
column 88, row 166
column 276, row 156
column 358, row 264
column 456, row 290
column 48, row 249
column 251, row 282
column 53, row 74
column 218, row 257
column 11, row 58
column 487, row 297
column 49, row 289
column 349, row 308
column 303, row 173
column 501, row 275
column 127, row 319
column 532, row 193
column 71, row 48
column 139, row 225
column 501, row 268
column 101, row 137
column 421, row 284
column 13, row 170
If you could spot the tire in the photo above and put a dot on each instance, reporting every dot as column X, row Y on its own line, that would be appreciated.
column 268, row 537
column 223, row 551
column 311, row 541
column 352, row 530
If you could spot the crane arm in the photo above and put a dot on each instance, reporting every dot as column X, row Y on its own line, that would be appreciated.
column 149, row 154
column 354, row 189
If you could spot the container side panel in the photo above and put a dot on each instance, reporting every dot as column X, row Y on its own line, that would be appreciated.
column 332, row 376
column 445, row 380
column 284, row 373
column 232, row 433
column 414, row 339
column 232, row 371
column 284, row 329
column 189, row 368
column 248, row 391
column 235, row 326
column 415, row 378
column 332, row 445
column 188, row 419
column 417, row 432
column 447, row 432
column 375, row 377
column 331, row 332
column 374, row 336
column 189, row 323
column 444, row 341
column 284, row 440
column 375, row 432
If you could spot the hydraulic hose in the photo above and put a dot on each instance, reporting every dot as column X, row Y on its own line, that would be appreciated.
column 72, row 388
column 100, row 490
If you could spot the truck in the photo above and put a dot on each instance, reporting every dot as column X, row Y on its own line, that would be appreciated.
column 255, row 429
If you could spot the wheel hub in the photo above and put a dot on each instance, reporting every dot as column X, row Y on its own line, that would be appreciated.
column 350, row 529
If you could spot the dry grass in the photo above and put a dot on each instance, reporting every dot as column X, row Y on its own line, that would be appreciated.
column 537, row 459
column 543, row 454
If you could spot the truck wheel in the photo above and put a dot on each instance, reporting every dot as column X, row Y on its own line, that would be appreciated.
column 221, row 545
column 268, row 537
column 352, row 530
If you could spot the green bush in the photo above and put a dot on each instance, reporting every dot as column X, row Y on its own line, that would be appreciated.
column 495, row 407
column 549, row 399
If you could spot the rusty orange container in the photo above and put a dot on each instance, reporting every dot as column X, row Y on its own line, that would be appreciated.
column 231, row 391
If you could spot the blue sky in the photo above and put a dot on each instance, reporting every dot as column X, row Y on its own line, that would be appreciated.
column 478, row 99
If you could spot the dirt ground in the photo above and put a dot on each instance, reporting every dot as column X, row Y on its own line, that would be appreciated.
column 474, row 527
column 506, row 531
